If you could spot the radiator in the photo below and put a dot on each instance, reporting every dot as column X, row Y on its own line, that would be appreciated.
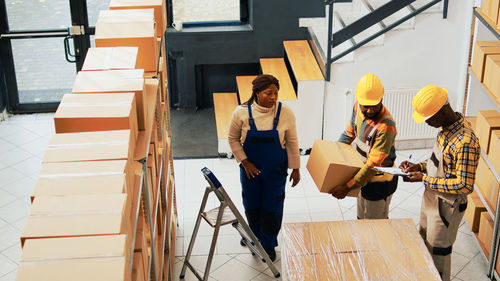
column 398, row 101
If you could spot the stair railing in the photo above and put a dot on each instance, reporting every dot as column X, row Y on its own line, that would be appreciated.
column 367, row 21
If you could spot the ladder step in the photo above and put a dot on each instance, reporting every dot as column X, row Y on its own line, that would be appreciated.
column 224, row 105
column 302, row 60
column 277, row 68
column 244, row 87
column 211, row 216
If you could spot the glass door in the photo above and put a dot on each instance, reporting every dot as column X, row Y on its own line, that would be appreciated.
column 43, row 44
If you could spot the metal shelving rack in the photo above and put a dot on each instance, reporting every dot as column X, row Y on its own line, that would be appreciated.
column 495, row 243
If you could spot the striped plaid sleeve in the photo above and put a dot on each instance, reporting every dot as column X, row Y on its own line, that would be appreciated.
column 467, row 154
column 386, row 133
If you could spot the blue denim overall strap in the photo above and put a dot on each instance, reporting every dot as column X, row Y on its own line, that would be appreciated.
column 263, row 148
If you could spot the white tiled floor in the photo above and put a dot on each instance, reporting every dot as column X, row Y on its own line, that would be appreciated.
column 23, row 139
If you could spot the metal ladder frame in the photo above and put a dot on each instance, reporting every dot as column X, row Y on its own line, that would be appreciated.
column 226, row 213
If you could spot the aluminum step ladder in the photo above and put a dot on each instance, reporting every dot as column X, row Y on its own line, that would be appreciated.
column 226, row 213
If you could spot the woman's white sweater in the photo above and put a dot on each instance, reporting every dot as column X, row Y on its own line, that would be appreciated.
column 263, row 118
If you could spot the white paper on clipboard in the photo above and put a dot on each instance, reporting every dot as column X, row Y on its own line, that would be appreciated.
column 391, row 170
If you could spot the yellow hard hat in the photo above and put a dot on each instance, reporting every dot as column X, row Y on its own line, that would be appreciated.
column 369, row 90
column 428, row 102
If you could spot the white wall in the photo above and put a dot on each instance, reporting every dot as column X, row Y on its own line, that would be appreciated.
column 434, row 52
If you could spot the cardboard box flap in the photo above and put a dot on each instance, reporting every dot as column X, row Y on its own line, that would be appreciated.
column 109, row 269
column 89, row 138
column 488, row 43
column 73, row 225
column 128, row 15
column 130, row 80
column 83, row 169
column 64, row 186
column 120, row 29
column 104, row 98
column 349, row 156
column 135, row 3
column 90, row 111
column 79, row 204
column 108, row 58
column 87, row 152
column 75, row 247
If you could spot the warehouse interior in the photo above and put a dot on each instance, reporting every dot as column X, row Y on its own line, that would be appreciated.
column 197, row 53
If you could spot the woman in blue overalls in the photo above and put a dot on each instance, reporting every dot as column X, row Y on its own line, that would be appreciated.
column 263, row 138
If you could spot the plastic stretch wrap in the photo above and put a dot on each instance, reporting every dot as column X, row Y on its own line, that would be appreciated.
column 355, row 250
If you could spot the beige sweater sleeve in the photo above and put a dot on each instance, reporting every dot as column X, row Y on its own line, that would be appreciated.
column 264, row 121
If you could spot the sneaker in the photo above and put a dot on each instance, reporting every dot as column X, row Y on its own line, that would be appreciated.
column 271, row 253
column 242, row 242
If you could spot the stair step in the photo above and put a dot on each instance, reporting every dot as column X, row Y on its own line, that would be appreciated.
column 244, row 84
column 438, row 8
column 375, row 4
column 224, row 105
column 302, row 60
column 277, row 68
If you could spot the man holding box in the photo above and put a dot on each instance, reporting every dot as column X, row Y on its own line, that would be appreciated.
column 373, row 130
column 448, row 175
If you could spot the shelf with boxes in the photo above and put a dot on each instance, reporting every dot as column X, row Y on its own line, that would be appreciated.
column 104, row 202
column 482, row 214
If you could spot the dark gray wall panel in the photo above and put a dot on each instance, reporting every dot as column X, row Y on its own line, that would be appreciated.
column 270, row 23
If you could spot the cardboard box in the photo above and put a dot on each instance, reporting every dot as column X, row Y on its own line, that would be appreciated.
column 485, row 232
column 487, row 184
column 97, row 112
column 333, row 163
column 114, row 81
column 473, row 212
column 131, row 28
column 76, row 247
column 84, row 204
column 99, row 269
column 491, row 74
column 487, row 120
column 481, row 50
column 159, row 7
column 490, row 8
column 64, row 225
column 75, row 185
column 90, row 146
column 50, row 217
column 110, row 58
column 494, row 154
column 112, row 146
column 472, row 121
column 90, row 169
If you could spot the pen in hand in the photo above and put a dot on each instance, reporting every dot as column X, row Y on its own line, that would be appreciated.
column 405, row 164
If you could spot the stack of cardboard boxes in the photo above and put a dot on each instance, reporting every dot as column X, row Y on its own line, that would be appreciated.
column 487, row 129
column 102, row 207
column 486, row 58
column 355, row 250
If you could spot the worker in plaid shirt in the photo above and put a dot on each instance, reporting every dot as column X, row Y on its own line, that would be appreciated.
column 448, row 175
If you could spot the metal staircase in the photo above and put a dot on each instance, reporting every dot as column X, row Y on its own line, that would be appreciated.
column 352, row 24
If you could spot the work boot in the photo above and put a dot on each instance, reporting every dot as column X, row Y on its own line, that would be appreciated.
column 271, row 253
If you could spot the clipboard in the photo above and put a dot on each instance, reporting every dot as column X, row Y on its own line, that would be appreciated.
column 391, row 170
